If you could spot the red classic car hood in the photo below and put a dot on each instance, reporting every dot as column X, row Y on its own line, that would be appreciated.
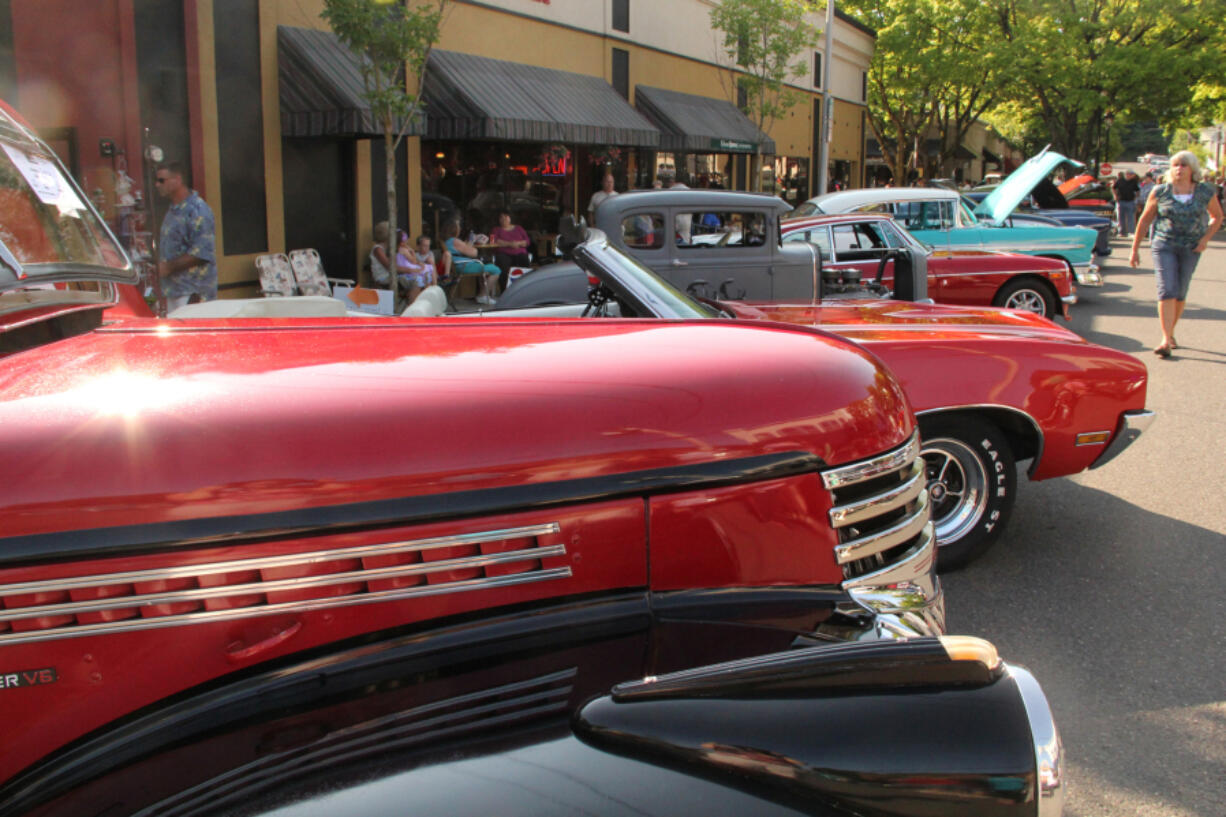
column 157, row 422
column 868, row 320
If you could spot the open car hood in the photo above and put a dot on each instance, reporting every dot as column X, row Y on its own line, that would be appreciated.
column 55, row 249
column 1004, row 199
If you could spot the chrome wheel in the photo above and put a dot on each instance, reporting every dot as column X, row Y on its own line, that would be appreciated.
column 1029, row 300
column 957, row 487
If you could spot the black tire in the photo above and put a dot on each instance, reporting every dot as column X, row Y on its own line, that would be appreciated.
column 971, row 485
column 1028, row 295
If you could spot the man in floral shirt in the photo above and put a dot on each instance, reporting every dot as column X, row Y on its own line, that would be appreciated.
column 188, row 264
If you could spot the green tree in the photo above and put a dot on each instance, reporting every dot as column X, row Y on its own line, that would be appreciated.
column 1075, row 61
column 765, row 40
column 935, row 70
column 392, row 42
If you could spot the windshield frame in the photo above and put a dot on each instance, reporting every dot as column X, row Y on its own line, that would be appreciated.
column 14, row 275
column 634, row 283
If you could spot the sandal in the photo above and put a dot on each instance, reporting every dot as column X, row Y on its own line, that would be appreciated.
column 1163, row 351
column 1174, row 345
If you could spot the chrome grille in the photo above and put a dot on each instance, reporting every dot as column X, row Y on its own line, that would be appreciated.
column 75, row 606
column 880, row 509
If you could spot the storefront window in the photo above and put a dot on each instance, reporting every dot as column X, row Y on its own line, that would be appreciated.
column 473, row 181
column 788, row 178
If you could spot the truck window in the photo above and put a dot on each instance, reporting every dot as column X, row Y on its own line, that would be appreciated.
column 644, row 231
column 729, row 230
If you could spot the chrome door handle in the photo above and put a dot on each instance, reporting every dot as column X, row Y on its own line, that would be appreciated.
column 679, row 263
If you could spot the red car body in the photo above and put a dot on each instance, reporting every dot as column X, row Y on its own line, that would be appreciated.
column 962, row 277
column 197, row 499
column 1023, row 371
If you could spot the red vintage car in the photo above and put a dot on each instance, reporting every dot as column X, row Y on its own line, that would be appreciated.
column 867, row 246
column 193, row 506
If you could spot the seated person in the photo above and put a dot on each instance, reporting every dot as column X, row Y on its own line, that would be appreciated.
column 465, row 260
column 415, row 275
column 425, row 256
column 512, row 242
column 380, row 266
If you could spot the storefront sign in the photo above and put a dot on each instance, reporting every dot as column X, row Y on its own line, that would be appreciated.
column 729, row 145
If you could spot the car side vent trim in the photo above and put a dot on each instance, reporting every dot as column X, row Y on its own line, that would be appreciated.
column 75, row 606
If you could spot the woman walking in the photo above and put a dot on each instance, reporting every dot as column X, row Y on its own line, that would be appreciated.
column 1187, row 215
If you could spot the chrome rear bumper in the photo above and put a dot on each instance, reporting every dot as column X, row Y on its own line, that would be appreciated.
column 1132, row 424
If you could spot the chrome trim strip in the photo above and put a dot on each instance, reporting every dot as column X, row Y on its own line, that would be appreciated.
column 892, row 536
column 1132, row 425
column 843, row 515
column 1048, row 748
column 905, row 595
column 278, row 585
column 129, row 625
column 868, row 469
column 288, row 560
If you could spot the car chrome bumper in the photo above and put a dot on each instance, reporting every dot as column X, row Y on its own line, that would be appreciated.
column 1069, row 299
column 1088, row 275
column 1132, row 424
column 1048, row 749
column 905, row 596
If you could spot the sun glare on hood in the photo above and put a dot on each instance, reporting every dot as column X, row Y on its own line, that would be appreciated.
column 128, row 394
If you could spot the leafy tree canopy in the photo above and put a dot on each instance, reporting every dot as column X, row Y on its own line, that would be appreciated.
column 1075, row 61
column 936, row 70
column 1040, row 71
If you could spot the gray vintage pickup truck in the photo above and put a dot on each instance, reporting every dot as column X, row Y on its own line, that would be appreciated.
column 710, row 243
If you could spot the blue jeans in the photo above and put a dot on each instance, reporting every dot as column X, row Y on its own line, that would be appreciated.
column 1126, row 216
column 1173, row 268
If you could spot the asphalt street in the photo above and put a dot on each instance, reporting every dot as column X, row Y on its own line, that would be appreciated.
column 1111, row 585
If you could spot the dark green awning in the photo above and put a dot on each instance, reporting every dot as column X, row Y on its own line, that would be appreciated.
column 321, row 87
column 470, row 97
column 700, row 124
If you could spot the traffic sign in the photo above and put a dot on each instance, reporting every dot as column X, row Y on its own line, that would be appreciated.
column 1104, row 169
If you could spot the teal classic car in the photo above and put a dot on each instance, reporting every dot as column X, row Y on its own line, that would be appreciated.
column 940, row 218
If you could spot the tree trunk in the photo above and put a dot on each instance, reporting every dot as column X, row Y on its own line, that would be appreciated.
column 389, row 155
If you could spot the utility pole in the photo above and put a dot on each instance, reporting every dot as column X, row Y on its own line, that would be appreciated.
column 823, row 152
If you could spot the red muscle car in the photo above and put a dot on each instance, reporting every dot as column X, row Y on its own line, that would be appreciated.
column 992, row 387
column 868, row 244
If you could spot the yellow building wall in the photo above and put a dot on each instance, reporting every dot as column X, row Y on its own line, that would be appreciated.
column 486, row 32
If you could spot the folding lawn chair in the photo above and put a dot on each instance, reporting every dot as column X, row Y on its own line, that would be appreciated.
column 276, row 275
column 309, row 273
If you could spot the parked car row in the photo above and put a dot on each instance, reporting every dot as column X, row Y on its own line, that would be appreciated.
column 943, row 219
column 283, row 565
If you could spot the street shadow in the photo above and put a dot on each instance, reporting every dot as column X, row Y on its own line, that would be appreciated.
column 1120, row 613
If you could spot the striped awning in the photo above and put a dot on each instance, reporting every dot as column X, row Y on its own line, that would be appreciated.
column 471, row 97
column 700, row 124
column 321, row 87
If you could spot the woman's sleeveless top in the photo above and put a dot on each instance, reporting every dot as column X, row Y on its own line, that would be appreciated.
column 1182, row 223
